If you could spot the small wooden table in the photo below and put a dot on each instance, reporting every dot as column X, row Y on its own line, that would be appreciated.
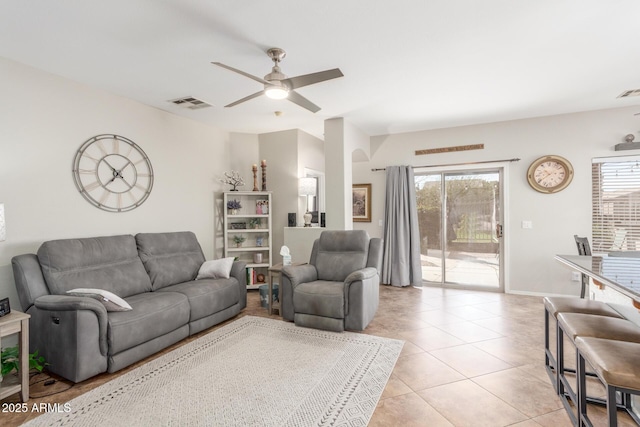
column 274, row 271
column 17, row 322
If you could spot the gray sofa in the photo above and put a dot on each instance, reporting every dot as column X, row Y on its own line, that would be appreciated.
column 152, row 272
column 339, row 288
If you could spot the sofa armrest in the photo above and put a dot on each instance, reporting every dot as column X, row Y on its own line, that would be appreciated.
column 73, row 303
column 292, row 276
column 238, row 271
column 29, row 280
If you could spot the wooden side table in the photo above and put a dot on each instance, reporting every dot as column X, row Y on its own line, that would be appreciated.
column 17, row 322
column 274, row 271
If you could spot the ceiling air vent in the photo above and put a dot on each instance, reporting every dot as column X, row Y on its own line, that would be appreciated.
column 628, row 93
column 190, row 102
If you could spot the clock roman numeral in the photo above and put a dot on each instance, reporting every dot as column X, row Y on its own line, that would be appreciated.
column 86, row 155
column 141, row 188
column 103, row 199
column 129, row 151
column 92, row 186
column 101, row 147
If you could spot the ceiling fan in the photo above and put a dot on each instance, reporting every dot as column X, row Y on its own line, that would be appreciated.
column 279, row 86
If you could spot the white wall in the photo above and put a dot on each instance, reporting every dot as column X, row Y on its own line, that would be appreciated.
column 556, row 217
column 310, row 156
column 287, row 154
column 43, row 121
column 344, row 143
column 280, row 150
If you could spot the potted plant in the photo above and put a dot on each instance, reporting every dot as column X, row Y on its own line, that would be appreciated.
column 238, row 239
column 254, row 223
column 10, row 361
column 233, row 206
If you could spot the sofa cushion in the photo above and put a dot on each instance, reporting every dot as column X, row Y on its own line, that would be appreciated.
column 154, row 314
column 170, row 258
column 110, row 263
column 320, row 298
column 208, row 296
column 341, row 253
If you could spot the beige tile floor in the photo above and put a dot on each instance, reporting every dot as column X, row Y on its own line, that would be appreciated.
column 470, row 359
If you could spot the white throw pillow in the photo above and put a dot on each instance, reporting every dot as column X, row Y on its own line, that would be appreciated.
column 216, row 269
column 111, row 301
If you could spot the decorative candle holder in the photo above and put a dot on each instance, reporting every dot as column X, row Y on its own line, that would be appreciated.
column 255, row 177
column 263, row 165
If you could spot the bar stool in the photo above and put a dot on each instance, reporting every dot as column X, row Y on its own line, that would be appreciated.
column 555, row 305
column 575, row 325
column 615, row 363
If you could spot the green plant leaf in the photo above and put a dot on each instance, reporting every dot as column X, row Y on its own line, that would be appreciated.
column 10, row 358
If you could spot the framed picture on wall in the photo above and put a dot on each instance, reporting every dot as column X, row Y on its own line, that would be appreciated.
column 361, row 196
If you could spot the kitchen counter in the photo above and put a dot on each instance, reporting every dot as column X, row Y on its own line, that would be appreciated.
column 613, row 279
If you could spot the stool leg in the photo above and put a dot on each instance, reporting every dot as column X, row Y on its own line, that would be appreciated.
column 582, row 391
column 612, row 407
column 559, row 359
column 549, row 363
column 546, row 338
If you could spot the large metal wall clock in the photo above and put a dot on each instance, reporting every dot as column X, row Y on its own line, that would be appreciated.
column 550, row 174
column 113, row 173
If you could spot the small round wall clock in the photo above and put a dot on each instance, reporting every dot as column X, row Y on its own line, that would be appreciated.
column 113, row 173
column 550, row 174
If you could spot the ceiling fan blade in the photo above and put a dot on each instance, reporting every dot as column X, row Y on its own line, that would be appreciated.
column 235, row 70
column 309, row 79
column 246, row 98
column 296, row 98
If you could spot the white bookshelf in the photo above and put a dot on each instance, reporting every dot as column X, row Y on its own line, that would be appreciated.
column 258, row 237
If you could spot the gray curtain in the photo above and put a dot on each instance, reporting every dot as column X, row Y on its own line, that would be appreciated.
column 401, row 256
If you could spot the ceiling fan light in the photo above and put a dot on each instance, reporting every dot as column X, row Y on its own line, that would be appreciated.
column 276, row 92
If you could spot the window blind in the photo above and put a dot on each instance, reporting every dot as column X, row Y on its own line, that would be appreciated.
column 615, row 204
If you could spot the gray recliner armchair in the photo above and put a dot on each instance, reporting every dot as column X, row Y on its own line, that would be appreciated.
column 338, row 289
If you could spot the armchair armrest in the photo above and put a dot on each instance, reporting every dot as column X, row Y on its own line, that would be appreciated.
column 365, row 273
column 300, row 273
column 74, row 303
column 361, row 296
column 292, row 276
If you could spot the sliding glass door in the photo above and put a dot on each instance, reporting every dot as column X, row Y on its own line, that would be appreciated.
column 460, row 217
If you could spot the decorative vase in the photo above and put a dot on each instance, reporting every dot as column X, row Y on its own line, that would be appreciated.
column 233, row 211
column 238, row 245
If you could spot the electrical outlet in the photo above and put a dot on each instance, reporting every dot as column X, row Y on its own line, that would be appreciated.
column 575, row 276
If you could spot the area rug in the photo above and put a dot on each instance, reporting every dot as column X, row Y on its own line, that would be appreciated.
column 251, row 372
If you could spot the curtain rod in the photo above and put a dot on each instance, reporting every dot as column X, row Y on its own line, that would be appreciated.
column 455, row 164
